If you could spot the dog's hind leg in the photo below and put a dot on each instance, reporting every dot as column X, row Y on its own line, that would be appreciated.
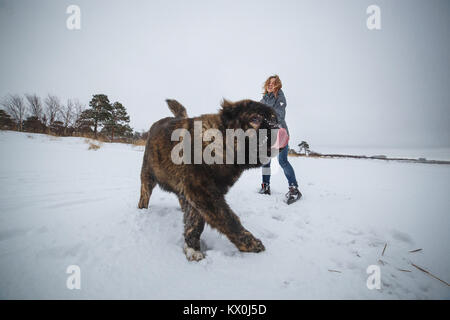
column 148, row 182
column 193, row 228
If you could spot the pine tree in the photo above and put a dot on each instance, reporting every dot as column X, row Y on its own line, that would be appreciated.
column 117, row 122
column 99, row 112
column 84, row 121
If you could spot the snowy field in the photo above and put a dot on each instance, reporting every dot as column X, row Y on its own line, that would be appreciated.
column 62, row 204
column 410, row 153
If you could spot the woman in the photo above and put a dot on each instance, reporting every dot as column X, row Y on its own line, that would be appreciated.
column 274, row 97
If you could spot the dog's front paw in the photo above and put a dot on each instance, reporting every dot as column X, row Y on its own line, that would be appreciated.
column 192, row 254
column 143, row 203
column 248, row 243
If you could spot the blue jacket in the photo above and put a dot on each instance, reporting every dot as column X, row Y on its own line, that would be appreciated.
column 279, row 104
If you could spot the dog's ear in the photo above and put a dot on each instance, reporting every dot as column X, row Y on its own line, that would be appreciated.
column 242, row 103
column 227, row 103
column 229, row 112
column 228, row 109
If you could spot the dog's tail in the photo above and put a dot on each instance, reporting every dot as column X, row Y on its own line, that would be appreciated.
column 177, row 108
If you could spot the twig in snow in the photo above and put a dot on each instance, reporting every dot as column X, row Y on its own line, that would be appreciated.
column 427, row 272
column 404, row 270
column 384, row 249
column 417, row 250
column 331, row 270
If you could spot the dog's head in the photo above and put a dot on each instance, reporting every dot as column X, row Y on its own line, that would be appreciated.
column 249, row 114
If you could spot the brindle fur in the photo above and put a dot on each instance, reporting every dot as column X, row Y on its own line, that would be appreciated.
column 201, row 188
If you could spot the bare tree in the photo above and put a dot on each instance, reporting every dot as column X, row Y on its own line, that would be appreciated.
column 78, row 109
column 53, row 107
column 15, row 106
column 35, row 106
column 67, row 113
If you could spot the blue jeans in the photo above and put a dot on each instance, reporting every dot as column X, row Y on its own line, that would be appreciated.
column 287, row 168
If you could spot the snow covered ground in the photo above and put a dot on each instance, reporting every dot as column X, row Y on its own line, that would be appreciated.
column 410, row 153
column 62, row 204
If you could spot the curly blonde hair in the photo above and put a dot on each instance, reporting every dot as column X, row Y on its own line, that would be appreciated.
column 278, row 84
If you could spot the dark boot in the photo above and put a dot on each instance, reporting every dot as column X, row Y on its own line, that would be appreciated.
column 265, row 188
column 293, row 195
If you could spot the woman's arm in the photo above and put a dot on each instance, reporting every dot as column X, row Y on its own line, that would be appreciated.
column 280, row 107
column 281, row 102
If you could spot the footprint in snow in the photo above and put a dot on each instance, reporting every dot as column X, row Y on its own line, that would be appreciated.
column 401, row 236
column 278, row 217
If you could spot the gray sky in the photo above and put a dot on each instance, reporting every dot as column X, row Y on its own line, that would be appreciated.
column 345, row 85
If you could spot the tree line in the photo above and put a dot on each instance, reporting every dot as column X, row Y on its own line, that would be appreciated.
column 101, row 120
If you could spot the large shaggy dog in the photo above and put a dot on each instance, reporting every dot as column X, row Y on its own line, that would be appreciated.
column 201, row 188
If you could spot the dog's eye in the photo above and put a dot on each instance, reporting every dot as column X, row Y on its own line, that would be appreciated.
column 255, row 120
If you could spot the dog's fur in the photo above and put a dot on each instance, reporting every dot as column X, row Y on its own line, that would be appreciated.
column 201, row 188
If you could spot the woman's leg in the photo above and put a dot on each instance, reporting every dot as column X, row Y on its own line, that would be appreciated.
column 266, row 173
column 287, row 168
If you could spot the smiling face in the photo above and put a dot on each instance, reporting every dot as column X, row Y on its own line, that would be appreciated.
column 271, row 85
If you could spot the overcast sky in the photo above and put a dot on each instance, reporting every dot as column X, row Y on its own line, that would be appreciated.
column 345, row 85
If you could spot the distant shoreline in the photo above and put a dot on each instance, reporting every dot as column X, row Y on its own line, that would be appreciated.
column 377, row 157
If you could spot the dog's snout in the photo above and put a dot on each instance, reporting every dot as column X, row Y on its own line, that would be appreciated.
column 274, row 125
column 273, row 122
